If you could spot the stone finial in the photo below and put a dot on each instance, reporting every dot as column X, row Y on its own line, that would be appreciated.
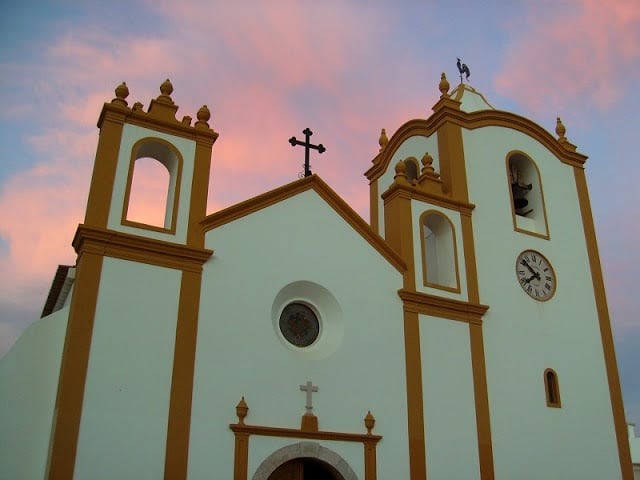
column 562, row 139
column 427, row 166
column 401, row 173
column 203, row 117
column 369, row 422
column 444, row 85
column 560, row 129
column 241, row 410
column 383, row 140
column 122, row 92
column 166, row 89
column 137, row 107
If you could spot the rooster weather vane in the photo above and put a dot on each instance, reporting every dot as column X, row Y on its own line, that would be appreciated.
column 463, row 69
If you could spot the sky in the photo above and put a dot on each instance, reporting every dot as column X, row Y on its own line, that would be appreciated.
column 345, row 69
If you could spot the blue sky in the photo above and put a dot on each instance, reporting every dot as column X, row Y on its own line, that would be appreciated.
column 268, row 69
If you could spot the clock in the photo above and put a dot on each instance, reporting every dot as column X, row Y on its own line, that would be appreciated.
column 299, row 324
column 535, row 275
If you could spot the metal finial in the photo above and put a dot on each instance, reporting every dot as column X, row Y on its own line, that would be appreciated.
column 307, row 145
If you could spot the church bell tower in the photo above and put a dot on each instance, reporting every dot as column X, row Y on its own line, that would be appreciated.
column 140, row 333
column 505, row 316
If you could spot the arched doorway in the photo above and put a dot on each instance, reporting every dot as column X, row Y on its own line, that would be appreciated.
column 305, row 469
column 304, row 460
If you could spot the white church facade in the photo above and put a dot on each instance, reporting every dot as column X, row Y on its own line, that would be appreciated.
column 461, row 333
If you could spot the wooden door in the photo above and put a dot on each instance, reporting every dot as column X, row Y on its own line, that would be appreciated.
column 305, row 469
column 289, row 471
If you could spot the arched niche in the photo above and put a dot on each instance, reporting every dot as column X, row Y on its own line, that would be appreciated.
column 526, row 195
column 412, row 170
column 439, row 251
column 164, row 154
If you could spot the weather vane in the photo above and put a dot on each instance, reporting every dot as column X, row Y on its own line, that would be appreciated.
column 463, row 69
column 307, row 145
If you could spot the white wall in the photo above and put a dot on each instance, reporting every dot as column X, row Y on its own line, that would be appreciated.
column 126, row 399
column 29, row 379
column 240, row 352
column 523, row 337
column 449, row 401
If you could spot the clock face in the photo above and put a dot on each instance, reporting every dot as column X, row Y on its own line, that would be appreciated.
column 535, row 275
column 299, row 324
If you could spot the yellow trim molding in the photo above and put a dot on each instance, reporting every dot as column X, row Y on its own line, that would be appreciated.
column 73, row 370
column 478, row 363
column 442, row 307
column 184, row 358
column 139, row 249
column 415, row 399
column 243, row 431
column 606, row 334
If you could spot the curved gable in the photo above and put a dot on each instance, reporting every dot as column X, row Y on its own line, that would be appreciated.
column 564, row 151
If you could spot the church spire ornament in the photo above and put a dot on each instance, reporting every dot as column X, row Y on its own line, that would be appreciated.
column 464, row 70
column 307, row 145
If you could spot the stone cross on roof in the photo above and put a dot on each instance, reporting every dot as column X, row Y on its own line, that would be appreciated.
column 310, row 388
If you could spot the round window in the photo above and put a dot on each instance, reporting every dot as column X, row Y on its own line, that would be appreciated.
column 299, row 324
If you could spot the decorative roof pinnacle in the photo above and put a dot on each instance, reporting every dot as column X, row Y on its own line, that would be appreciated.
column 122, row 92
column 241, row 411
column 369, row 422
column 443, row 86
column 560, row 129
column 203, row 117
column 166, row 89
column 401, row 173
column 562, row 139
column 427, row 166
column 383, row 140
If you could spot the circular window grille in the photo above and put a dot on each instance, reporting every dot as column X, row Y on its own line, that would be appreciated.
column 299, row 324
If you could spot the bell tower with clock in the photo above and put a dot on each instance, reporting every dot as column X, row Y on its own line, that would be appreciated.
column 505, row 311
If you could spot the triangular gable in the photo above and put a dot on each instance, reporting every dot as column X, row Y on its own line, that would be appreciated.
column 315, row 183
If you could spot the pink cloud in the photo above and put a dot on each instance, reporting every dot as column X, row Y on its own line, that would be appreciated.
column 580, row 49
column 265, row 74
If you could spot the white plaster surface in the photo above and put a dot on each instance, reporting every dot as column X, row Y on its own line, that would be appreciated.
column 240, row 354
column 126, row 400
column 187, row 148
column 29, row 379
column 449, row 405
column 471, row 100
column 523, row 337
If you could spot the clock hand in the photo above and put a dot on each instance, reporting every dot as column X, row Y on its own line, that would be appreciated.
column 530, row 269
column 535, row 275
